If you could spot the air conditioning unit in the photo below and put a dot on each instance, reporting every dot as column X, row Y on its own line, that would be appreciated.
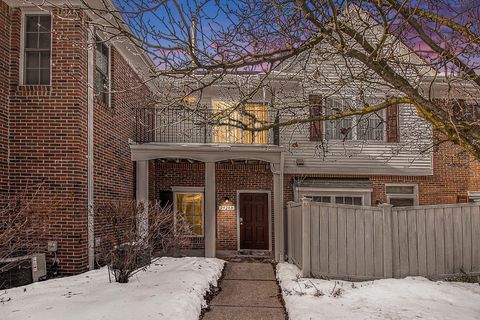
column 23, row 270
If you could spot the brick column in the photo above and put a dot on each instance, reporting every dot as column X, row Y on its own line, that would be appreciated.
column 210, row 209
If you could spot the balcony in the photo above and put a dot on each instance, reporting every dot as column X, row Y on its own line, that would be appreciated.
column 206, row 125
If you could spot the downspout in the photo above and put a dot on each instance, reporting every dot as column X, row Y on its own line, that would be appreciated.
column 90, row 199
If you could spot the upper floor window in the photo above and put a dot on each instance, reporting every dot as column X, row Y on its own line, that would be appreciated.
column 37, row 46
column 363, row 127
column 233, row 120
column 102, row 73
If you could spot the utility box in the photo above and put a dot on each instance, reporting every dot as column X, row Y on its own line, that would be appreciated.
column 52, row 246
column 39, row 266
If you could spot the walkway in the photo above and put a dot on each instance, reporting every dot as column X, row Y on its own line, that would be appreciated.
column 248, row 291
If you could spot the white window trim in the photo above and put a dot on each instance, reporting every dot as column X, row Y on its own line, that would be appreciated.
column 365, row 193
column 189, row 190
column 109, row 46
column 413, row 196
column 25, row 12
column 474, row 196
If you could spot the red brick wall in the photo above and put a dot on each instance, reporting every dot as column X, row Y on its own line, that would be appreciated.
column 48, row 132
column 454, row 173
column 5, row 18
column 229, row 179
column 48, row 135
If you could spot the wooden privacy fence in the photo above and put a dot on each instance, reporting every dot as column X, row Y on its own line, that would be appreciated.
column 359, row 243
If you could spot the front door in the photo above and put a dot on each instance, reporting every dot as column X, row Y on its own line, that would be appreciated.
column 254, row 221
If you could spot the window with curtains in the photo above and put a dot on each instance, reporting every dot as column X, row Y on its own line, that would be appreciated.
column 102, row 72
column 190, row 204
column 362, row 127
column 231, row 120
column 37, row 47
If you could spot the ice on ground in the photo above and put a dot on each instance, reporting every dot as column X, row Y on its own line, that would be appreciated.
column 171, row 288
column 409, row 298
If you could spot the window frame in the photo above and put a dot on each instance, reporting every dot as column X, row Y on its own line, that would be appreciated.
column 365, row 194
column 99, row 38
column 240, row 116
column 189, row 190
column 354, row 133
column 22, row 61
column 413, row 196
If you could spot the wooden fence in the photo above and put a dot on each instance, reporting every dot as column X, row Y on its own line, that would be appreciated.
column 357, row 242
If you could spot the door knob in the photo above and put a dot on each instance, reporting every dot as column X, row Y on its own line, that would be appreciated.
column 241, row 220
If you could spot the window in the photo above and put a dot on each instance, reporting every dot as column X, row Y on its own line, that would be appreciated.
column 102, row 74
column 231, row 119
column 363, row 127
column 191, row 205
column 402, row 195
column 37, row 47
column 340, row 129
column 338, row 199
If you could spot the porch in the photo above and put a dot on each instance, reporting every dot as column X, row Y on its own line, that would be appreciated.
column 236, row 182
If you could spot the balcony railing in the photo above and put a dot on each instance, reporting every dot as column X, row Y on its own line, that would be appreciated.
column 181, row 125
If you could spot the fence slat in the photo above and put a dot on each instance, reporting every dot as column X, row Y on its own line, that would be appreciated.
column 351, row 233
column 369, row 265
column 378, row 243
column 457, row 239
column 395, row 245
column 449, row 255
column 475, row 239
column 412, row 242
column 403, row 242
column 360, row 242
column 421, row 243
column 439, row 241
column 342, row 241
column 332, row 240
column 324, row 223
column 467, row 239
column 315, row 236
column 430, row 223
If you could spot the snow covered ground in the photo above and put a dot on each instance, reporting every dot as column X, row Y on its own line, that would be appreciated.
column 170, row 289
column 410, row 298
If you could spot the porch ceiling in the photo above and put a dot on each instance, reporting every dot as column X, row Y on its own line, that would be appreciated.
column 206, row 152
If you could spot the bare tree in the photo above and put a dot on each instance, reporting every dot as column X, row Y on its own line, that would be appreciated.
column 413, row 53
column 23, row 226
column 127, row 251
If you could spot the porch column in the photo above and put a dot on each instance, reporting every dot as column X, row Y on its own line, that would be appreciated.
column 142, row 196
column 210, row 209
column 278, row 212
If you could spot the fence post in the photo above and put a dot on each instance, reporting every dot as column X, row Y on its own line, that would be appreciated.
column 306, row 216
column 387, row 240
column 289, row 231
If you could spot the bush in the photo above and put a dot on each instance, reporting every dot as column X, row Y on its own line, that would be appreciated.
column 127, row 243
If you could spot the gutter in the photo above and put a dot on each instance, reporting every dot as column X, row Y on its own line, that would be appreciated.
column 90, row 193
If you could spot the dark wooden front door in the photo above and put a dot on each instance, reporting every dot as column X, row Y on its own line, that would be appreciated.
column 254, row 221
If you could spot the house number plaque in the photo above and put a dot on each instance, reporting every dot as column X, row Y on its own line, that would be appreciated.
column 226, row 208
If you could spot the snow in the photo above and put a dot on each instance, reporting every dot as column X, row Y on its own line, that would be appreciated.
column 409, row 298
column 171, row 288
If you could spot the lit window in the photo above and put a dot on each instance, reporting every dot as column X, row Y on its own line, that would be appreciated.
column 37, row 48
column 102, row 67
column 402, row 195
column 231, row 120
column 191, row 206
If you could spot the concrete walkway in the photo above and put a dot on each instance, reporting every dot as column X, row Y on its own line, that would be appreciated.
column 248, row 291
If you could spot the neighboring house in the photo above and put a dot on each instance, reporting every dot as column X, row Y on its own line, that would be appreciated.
column 232, row 186
column 60, row 125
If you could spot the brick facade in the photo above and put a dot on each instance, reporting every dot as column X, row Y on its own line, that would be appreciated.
column 229, row 178
column 5, row 18
column 455, row 173
column 47, row 131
